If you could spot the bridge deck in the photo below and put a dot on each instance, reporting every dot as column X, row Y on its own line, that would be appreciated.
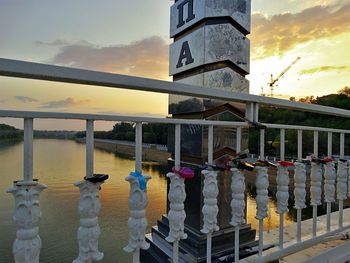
column 319, row 253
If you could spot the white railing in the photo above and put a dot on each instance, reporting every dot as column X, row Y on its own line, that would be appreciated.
column 137, row 180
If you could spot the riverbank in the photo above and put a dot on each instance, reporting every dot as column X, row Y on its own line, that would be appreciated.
column 154, row 153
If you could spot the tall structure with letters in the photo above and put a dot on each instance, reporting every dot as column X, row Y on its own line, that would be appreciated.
column 211, row 50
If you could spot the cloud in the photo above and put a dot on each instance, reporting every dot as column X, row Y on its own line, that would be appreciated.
column 25, row 99
column 322, row 69
column 61, row 42
column 69, row 102
column 279, row 33
column 147, row 57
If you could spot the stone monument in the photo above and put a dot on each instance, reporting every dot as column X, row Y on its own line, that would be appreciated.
column 210, row 49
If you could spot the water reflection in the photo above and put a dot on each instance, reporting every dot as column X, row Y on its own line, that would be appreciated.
column 59, row 164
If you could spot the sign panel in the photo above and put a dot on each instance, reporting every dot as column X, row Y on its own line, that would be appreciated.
column 210, row 44
column 185, row 13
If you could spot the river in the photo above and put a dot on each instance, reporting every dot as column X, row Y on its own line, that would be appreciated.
column 60, row 163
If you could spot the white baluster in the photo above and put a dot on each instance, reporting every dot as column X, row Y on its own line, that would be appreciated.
column 329, row 189
column 329, row 183
column 238, row 201
column 299, row 185
column 237, row 205
column 176, row 215
column 315, row 192
column 262, row 199
column 299, row 193
column 342, row 188
column 342, row 178
column 89, row 230
column 282, row 195
column 282, row 189
column 316, row 182
column 210, row 208
column 137, row 223
column 27, row 214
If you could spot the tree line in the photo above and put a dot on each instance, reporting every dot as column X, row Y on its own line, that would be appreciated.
column 158, row 133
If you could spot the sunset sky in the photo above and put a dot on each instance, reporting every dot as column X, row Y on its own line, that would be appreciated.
column 132, row 37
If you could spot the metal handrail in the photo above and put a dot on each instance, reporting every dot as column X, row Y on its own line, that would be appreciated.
column 30, row 70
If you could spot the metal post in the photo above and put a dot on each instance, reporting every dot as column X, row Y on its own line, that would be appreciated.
column 281, row 232
column 341, row 214
column 300, row 145
column 329, row 216
column 316, row 143
column 210, row 161
column 282, row 144
column 210, row 144
column 89, row 148
column 237, row 244
column 238, row 139
column 136, row 256
column 261, row 237
column 342, row 145
column 28, row 150
column 209, row 245
column 298, row 225
column 262, row 144
column 138, row 168
column 177, row 145
column 330, row 142
column 138, row 147
column 177, row 166
column 314, row 220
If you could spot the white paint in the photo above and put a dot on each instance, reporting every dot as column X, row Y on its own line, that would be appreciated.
column 342, row 179
column 329, row 145
column 342, row 145
column 237, row 244
column 89, row 230
column 282, row 144
column 30, row 70
column 299, row 185
column 282, row 194
column 27, row 214
column 316, row 143
column 262, row 185
column 300, row 145
column 89, row 148
column 238, row 139
column 138, row 147
column 177, row 146
column 210, row 144
column 262, row 144
column 28, row 149
column 238, row 198
column 137, row 223
column 176, row 215
column 329, row 186
column 210, row 208
column 316, row 183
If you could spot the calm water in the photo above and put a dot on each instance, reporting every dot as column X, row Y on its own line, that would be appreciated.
column 58, row 164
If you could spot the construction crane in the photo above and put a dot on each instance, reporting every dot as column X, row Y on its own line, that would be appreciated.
column 273, row 81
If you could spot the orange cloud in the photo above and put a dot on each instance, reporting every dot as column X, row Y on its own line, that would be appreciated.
column 66, row 103
column 279, row 33
column 147, row 57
